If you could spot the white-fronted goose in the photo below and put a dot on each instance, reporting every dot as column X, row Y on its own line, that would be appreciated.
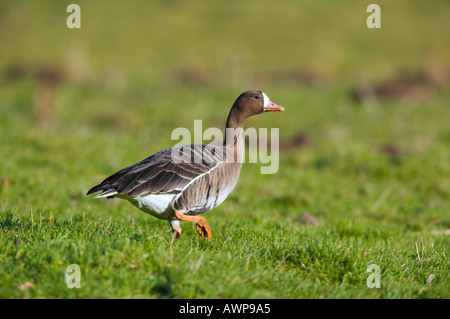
column 182, row 182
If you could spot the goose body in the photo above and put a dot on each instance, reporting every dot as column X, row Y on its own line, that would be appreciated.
column 183, row 182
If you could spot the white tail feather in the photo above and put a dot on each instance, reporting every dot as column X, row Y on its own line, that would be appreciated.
column 107, row 193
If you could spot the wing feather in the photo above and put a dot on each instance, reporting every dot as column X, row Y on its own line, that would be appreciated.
column 160, row 173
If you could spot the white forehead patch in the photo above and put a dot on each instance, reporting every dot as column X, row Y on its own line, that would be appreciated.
column 266, row 100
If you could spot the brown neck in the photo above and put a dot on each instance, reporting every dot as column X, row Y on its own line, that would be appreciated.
column 235, row 121
column 234, row 143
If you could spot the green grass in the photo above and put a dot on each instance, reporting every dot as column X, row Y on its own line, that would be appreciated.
column 131, row 67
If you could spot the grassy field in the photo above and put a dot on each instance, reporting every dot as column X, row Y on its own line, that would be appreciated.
column 370, row 166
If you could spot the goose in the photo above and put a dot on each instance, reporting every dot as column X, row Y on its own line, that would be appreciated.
column 182, row 182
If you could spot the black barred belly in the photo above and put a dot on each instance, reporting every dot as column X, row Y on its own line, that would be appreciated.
column 207, row 191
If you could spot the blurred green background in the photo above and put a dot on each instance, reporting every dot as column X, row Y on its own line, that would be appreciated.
column 365, row 135
column 110, row 93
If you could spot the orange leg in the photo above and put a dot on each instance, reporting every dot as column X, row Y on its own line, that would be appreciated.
column 200, row 222
column 176, row 231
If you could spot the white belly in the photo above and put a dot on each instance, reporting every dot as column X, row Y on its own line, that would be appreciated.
column 158, row 205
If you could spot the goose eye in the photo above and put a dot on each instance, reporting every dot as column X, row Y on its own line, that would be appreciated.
column 257, row 97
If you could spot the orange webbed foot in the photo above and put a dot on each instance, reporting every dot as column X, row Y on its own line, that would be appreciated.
column 203, row 228
column 200, row 223
column 176, row 231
